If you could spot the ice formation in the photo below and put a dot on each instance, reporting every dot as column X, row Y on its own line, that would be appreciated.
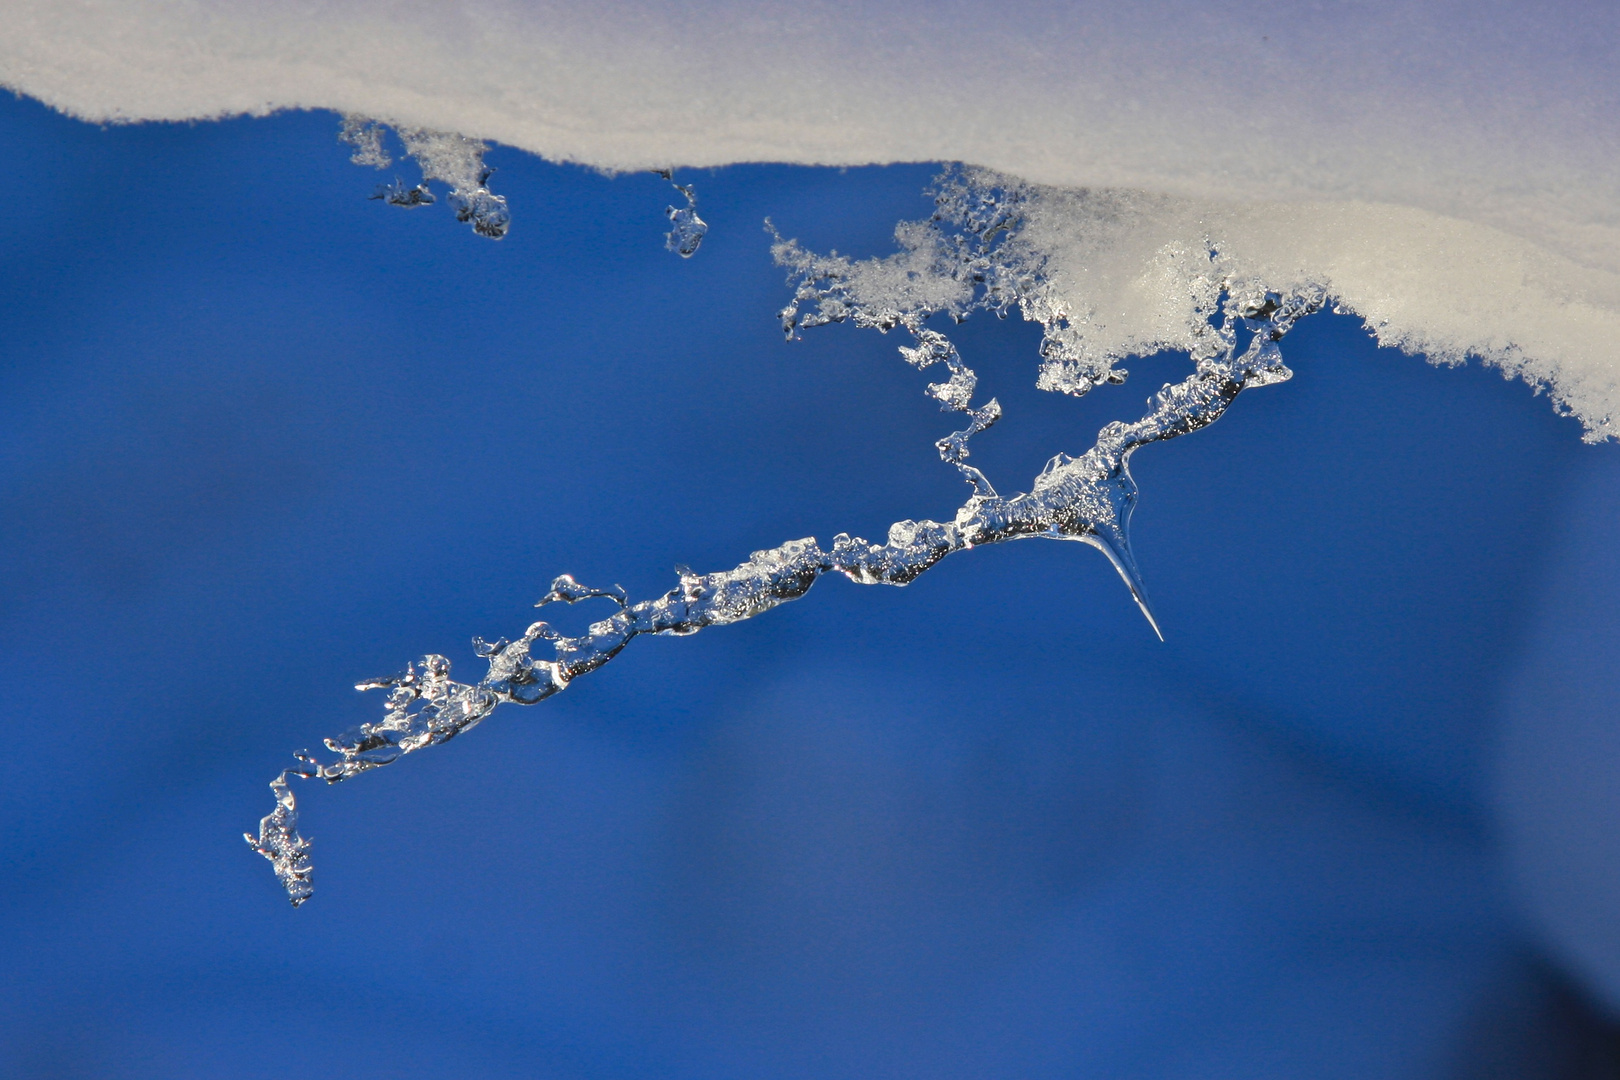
column 975, row 253
column 458, row 161
column 451, row 159
column 366, row 136
column 687, row 230
column 1448, row 171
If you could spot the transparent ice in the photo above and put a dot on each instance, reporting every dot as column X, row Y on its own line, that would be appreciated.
column 451, row 159
column 687, row 230
column 974, row 254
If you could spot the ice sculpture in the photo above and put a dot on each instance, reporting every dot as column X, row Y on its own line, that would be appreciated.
column 974, row 254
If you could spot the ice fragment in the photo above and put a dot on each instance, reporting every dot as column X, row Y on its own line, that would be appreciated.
column 443, row 156
column 687, row 230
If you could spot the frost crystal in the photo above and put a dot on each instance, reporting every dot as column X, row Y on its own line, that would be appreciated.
column 687, row 229
column 979, row 251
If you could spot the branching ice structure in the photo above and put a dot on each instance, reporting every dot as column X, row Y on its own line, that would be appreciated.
column 975, row 253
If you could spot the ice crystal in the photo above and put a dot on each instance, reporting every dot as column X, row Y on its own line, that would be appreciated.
column 687, row 230
column 973, row 254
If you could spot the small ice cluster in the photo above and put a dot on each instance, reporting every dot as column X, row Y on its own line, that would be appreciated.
column 687, row 230
column 458, row 162
column 450, row 159
column 980, row 251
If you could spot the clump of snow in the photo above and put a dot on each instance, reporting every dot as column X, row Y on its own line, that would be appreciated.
column 1129, row 272
column 366, row 136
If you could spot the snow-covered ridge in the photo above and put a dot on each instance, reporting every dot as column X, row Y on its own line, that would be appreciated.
column 1450, row 171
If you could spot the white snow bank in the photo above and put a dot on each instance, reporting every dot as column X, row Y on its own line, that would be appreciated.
column 1448, row 170
column 1126, row 266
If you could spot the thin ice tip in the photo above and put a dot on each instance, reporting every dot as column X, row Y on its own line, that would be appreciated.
column 1119, row 553
column 1147, row 613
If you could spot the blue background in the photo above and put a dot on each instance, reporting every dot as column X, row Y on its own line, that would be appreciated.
column 262, row 438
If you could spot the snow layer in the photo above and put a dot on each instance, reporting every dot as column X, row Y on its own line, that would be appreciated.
column 1449, row 170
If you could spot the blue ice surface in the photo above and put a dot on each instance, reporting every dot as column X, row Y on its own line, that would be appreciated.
column 262, row 437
